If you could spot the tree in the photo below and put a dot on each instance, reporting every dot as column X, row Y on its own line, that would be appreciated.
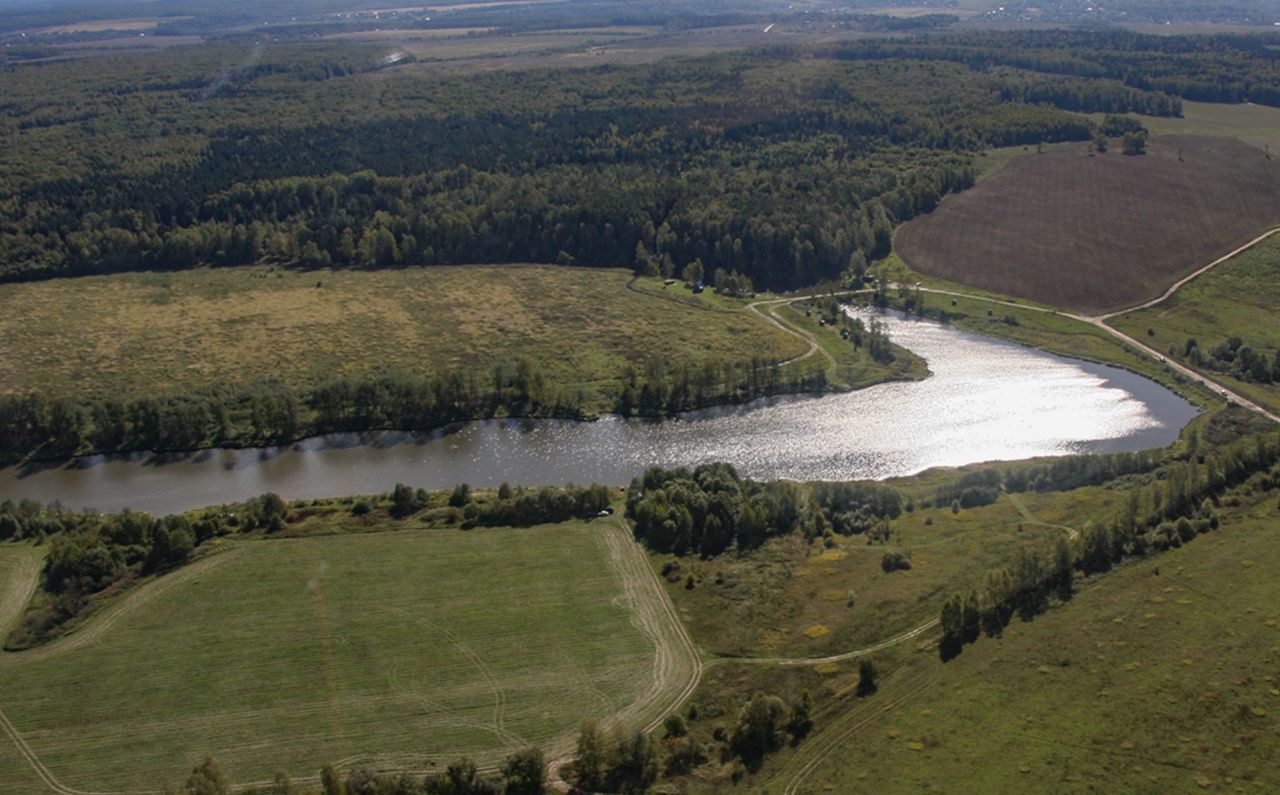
column 523, row 772
column 867, row 677
column 589, row 763
column 331, row 781
column 674, row 726
column 460, row 778
column 403, row 500
column 207, row 779
column 461, row 495
column 1134, row 143
column 693, row 272
column 759, row 729
column 633, row 765
column 1100, row 142
column 799, row 723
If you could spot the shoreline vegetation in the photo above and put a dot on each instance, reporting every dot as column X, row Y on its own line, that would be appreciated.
column 842, row 354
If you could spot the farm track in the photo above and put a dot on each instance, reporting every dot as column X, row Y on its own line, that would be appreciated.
column 677, row 666
column 14, row 598
column 770, row 317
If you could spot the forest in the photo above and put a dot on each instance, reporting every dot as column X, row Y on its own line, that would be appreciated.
column 776, row 168
column 778, row 165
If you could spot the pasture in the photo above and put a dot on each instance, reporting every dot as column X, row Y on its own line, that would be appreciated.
column 790, row 599
column 166, row 333
column 1160, row 676
column 1237, row 298
column 399, row 650
column 1092, row 232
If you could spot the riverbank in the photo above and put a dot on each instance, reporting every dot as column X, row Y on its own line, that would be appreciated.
column 549, row 351
column 986, row 400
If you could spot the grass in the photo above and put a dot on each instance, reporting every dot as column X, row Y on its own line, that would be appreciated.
column 850, row 367
column 1258, row 125
column 361, row 649
column 1237, row 298
column 1093, row 232
column 163, row 333
column 1158, row 677
column 790, row 599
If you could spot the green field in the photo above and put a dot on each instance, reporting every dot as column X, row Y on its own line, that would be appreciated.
column 789, row 599
column 1255, row 124
column 379, row 649
column 164, row 333
column 1237, row 298
column 1158, row 677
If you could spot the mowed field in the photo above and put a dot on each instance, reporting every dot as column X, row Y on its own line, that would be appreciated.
column 1162, row 676
column 1240, row 297
column 158, row 333
column 401, row 650
column 1093, row 232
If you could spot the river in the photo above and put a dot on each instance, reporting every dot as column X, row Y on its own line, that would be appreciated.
column 985, row 400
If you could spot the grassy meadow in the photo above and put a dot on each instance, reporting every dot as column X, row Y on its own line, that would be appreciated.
column 1158, row 677
column 1237, row 298
column 162, row 333
column 377, row 649
column 1254, row 124
column 791, row 599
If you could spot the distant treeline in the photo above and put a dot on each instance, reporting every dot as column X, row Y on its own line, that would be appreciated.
column 36, row 427
column 760, row 163
column 1220, row 68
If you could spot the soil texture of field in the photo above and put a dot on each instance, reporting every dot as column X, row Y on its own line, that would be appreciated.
column 399, row 650
column 1092, row 232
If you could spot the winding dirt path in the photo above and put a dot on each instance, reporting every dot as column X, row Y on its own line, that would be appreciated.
column 1100, row 322
column 1072, row 533
column 770, row 317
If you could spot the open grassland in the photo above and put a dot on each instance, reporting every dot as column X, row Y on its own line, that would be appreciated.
column 1255, row 124
column 153, row 334
column 1240, row 297
column 789, row 599
column 1092, row 232
column 380, row 649
column 1159, row 677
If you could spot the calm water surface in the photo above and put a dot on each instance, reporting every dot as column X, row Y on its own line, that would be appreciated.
column 985, row 400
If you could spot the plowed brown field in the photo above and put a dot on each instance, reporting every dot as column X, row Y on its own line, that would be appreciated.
column 1099, row 232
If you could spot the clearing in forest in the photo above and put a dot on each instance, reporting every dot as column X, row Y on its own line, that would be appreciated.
column 1091, row 232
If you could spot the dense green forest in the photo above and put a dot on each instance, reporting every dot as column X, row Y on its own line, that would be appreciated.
column 781, row 166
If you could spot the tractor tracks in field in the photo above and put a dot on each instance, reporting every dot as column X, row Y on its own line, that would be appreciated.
column 24, row 579
column 92, row 631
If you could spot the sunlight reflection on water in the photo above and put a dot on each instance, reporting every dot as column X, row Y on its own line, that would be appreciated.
column 984, row 400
